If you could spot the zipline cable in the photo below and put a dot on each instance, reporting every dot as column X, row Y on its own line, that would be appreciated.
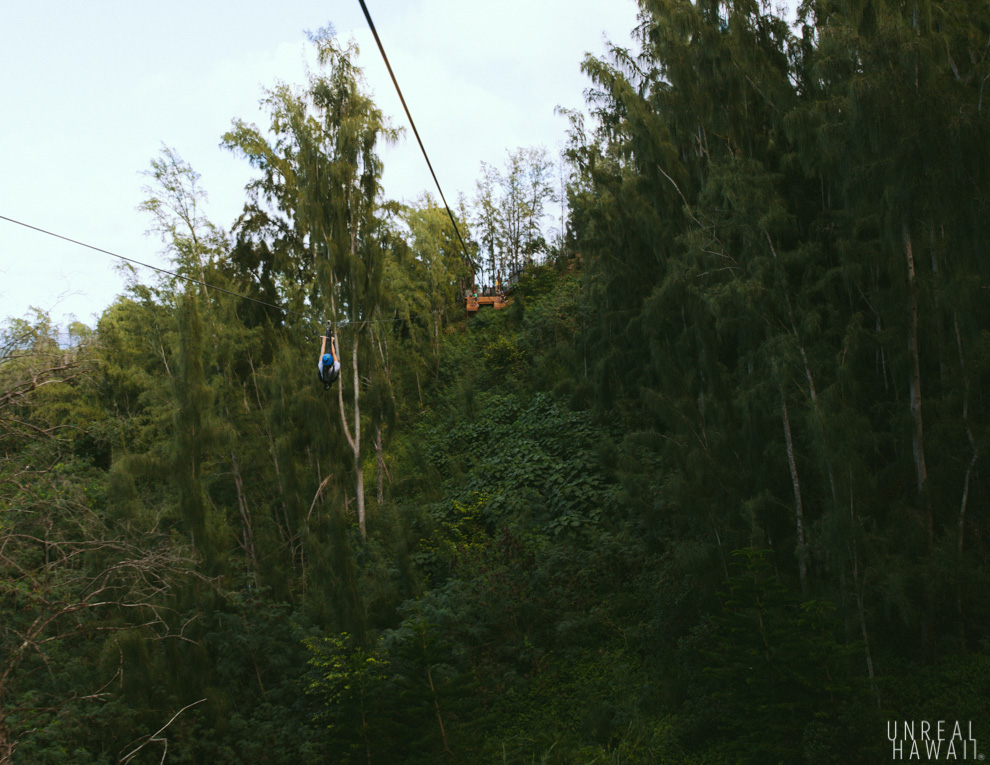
column 161, row 270
column 422, row 148
column 313, row 317
column 412, row 123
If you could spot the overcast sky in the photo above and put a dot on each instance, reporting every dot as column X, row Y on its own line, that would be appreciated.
column 90, row 91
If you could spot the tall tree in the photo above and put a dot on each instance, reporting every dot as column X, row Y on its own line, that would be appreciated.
column 321, row 182
column 71, row 579
column 511, row 207
column 772, row 228
column 440, row 263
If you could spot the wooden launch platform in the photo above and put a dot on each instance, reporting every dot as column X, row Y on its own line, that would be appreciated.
column 473, row 304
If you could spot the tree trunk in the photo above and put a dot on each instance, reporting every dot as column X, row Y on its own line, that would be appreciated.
column 354, row 439
column 436, row 707
column 436, row 344
column 802, row 549
column 969, row 473
column 918, row 437
column 272, row 451
column 969, row 435
column 357, row 440
column 246, row 525
column 6, row 745
column 381, row 465
column 860, row 610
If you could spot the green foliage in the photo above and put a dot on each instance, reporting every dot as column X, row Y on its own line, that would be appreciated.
column 533, row 458
column 780, row 684
column 501, row 358
column 347, row 680
column 458, row 529
column 771, row 342
column 581, row 708
column 536, row 281
column 511, row 205
column 765, row 219
column 953, row 690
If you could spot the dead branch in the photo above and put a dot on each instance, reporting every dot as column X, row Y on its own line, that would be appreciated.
column 154, row 736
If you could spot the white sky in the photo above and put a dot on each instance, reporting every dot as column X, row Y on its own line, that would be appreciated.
column 90, row 91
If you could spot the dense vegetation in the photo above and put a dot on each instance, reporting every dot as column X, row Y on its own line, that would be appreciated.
column 711, row 490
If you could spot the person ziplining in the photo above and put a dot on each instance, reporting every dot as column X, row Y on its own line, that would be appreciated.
column 329, row 364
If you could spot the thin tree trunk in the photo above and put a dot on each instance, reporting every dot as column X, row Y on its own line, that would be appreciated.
column 161, row 349
column 360, row 497
column 937, row 297
column 969, row 436
column 379, row 450
column 364, row 733
column 436, row 706
column 247, row 529
column 383, row 354
column 866, row 637
column 819, row 417
column 436, row 344
column 882, row 359
column 271, row 450
column 802, row 549
column 965, row 499
column 969, row 472
column 812, row 389
column 721, row 551
column 209, row 310
column 354, row 439
column 357, row 441
column 918, row 438
column 860, row 610
column 962, row 530
column 6, row 745
column 381, row 465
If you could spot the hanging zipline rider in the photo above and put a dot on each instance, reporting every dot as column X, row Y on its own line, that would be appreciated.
column 329, row 363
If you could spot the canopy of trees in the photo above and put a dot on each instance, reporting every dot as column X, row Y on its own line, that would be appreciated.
column 711, row 490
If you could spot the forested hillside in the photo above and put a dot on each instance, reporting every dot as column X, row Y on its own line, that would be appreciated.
column 712, row 489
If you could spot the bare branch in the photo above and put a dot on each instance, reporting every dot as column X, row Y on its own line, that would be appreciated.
column 154, row 736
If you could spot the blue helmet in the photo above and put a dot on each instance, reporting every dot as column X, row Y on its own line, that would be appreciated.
column 327, row 360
